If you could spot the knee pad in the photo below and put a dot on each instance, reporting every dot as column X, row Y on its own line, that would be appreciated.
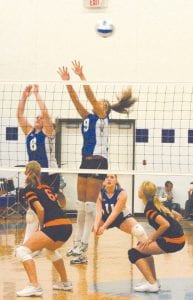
column 135, row 255
column 80, row 205
column 53, row 255
column 23, row 253
column 90, row 207
column 139, row 232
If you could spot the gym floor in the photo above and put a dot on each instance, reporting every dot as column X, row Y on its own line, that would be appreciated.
column 108, row 274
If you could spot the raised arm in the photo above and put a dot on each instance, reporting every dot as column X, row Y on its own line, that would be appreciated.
column 77, row 69
column 48, row 127
column 64, row 74
column 118, row 208
column 23, row 122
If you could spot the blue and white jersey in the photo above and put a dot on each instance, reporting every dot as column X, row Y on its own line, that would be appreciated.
column 95, row 136
column 108, row 203
column 41, row 148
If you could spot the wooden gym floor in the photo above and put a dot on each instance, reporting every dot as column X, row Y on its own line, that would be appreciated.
column 108, row 275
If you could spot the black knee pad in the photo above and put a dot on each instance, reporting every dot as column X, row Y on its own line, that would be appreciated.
column 134, row 255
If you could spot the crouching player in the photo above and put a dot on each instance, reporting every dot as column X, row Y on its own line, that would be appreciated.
column 54, row 231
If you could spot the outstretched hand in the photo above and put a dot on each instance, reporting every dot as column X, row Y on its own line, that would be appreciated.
column 27, row 91
column 64, row 74
column 77, row 68
column 36, row 89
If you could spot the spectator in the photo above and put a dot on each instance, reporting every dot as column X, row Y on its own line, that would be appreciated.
column 170, row 197
column 189, row 203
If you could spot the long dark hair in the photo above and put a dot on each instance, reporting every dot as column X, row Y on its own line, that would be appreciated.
column 125, row 102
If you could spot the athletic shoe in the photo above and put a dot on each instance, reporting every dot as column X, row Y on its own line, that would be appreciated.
column 81, row 259
column 147, row 287
column 65, row 286
column 30, row 290
column 83, row 247
column 76, row 251
column 143, row 281
column 71, row 252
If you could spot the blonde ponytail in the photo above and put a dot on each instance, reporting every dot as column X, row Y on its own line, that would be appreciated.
column 149, row 190
column 33, row 173
column 160, row 206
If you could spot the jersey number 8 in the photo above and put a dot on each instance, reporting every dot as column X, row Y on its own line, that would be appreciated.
column 33, row 145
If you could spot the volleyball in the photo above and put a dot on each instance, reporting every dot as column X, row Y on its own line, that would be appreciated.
column 104, row 28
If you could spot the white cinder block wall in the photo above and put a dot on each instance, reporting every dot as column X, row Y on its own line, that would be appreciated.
column 152, row 43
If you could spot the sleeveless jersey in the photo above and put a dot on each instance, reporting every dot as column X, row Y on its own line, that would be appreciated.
column 47, row 199
column 109, row 202
column 175, row 230
column 41, row 148
column 95, row 136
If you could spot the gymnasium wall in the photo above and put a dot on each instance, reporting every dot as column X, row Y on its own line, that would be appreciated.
column 152, row 43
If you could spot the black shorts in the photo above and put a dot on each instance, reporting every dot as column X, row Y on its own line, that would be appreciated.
column 94, row 163
column 169, row 247
column 58, row 233
column 52, row 181
column 118, row 221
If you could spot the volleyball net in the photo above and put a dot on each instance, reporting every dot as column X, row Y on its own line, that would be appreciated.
column 156, row 136
column 154, row 139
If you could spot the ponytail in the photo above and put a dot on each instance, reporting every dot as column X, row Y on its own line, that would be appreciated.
column 32, row 179
column 33, row 173
column 160, row 206
column 125, row 101
column 149, row 190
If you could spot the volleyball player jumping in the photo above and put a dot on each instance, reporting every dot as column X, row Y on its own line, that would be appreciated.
column 40, row 138
column 94, row 155
column 168, row 236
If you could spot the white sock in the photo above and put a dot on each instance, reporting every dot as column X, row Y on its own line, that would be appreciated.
column 80, row 221
column 90, row 212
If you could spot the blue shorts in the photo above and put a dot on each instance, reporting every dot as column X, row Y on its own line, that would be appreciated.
column 169, row 247
column 94, row 162
column 58, row 233
column 118, row 221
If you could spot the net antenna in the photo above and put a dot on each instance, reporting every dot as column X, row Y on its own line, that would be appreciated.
column 92, row 4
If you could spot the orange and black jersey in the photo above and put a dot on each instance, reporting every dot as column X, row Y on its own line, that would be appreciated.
column 47, row 199
column 174, row 231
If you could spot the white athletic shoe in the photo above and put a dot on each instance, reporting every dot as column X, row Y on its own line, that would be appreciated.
column 76, row 251
column 65, row 286
column 30, row 290
column 147, row 287
column 81, row 259
column 143, row 281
